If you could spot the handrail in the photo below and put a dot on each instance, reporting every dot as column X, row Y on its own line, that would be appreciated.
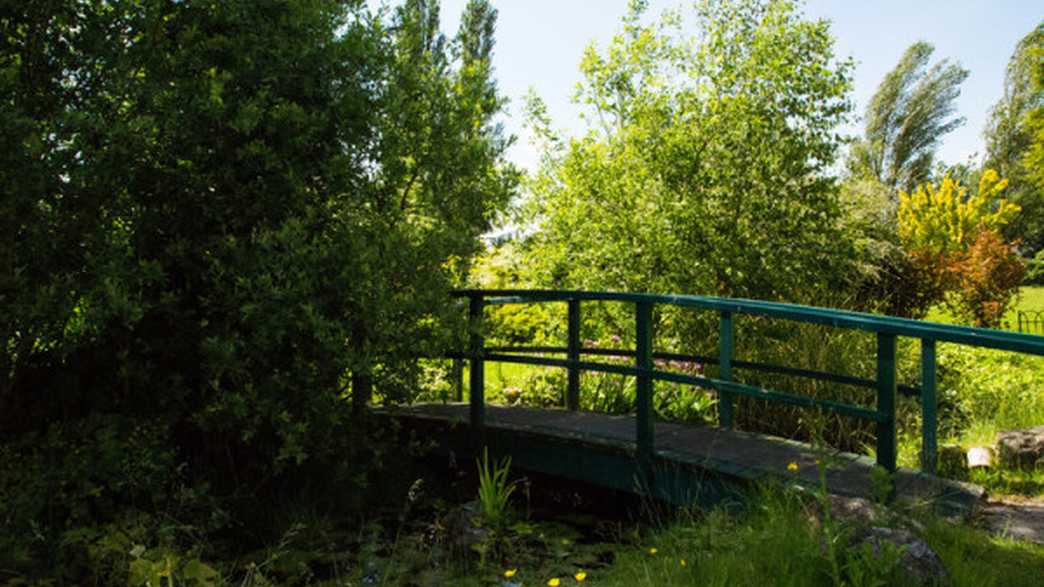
column 967, row 335
column 886, row 328
column 907, row 390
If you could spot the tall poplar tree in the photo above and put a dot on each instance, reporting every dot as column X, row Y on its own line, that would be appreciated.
column 1009, row 137
column 910, row 112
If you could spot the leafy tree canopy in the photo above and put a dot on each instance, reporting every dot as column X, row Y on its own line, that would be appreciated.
column 706, row 168
column 1033, row 158
column 219, row 210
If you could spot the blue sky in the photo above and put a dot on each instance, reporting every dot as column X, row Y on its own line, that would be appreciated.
column 539, row 44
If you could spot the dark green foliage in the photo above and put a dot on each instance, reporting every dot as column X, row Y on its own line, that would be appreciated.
column 79, row 495
column 225, row 213
column 236, row 203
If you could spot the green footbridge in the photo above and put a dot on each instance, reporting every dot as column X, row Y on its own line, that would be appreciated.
column 693, row 463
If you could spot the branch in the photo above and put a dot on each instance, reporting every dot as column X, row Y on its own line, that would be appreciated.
column 409, row 188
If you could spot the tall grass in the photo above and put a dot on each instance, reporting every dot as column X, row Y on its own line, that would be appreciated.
column 776, row 541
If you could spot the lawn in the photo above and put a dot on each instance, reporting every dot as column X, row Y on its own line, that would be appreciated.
column 1031, row 298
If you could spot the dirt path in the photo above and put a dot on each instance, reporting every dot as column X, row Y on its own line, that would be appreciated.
column 1021, row 520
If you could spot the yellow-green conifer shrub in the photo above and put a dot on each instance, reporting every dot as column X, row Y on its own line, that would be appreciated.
column 944, row 219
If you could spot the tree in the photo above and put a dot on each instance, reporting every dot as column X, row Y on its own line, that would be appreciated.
column 1009, row 137
column 905, row 119
column 245, row 205
column 705, row 169
column 887, row 280
column 1033, row 158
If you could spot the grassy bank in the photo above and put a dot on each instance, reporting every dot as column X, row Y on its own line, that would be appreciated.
column 774, row 544
column 778, row 538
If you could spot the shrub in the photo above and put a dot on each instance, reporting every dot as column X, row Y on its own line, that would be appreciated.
column 986, row 279
column 945, row 219
column 75, row 498
column 207, row 234
column 988, row 388
column 953, row 239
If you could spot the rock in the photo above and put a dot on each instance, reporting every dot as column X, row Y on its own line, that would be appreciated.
column 920, row 562
column 1021, row 448
column 980, row 456
column 1018, row 520
column 860, row 512
column 856, row 510
column 866, row 520
column 463, row 526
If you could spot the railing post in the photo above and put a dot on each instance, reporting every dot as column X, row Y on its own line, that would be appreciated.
column 573, row 392
column 477, row 375
column 644, row 388
column 886, row 388
column 928, row 406
column 725, row 349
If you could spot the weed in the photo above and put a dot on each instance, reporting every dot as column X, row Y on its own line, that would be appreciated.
column 494, row 489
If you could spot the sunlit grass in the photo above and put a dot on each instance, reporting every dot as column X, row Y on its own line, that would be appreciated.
column 1031, row 297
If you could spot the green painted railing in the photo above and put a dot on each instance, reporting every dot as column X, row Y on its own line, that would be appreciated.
column 886, row 328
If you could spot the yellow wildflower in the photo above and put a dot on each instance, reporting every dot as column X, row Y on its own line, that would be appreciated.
column 792, row 467
column 510, row 573
column 580, row 576
column 683, row 563
column 553, row 582
column 653, row 551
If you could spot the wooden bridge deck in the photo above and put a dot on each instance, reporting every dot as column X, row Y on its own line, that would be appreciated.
column 569, row 437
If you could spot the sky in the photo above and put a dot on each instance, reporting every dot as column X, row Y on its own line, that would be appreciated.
column 539, row 44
